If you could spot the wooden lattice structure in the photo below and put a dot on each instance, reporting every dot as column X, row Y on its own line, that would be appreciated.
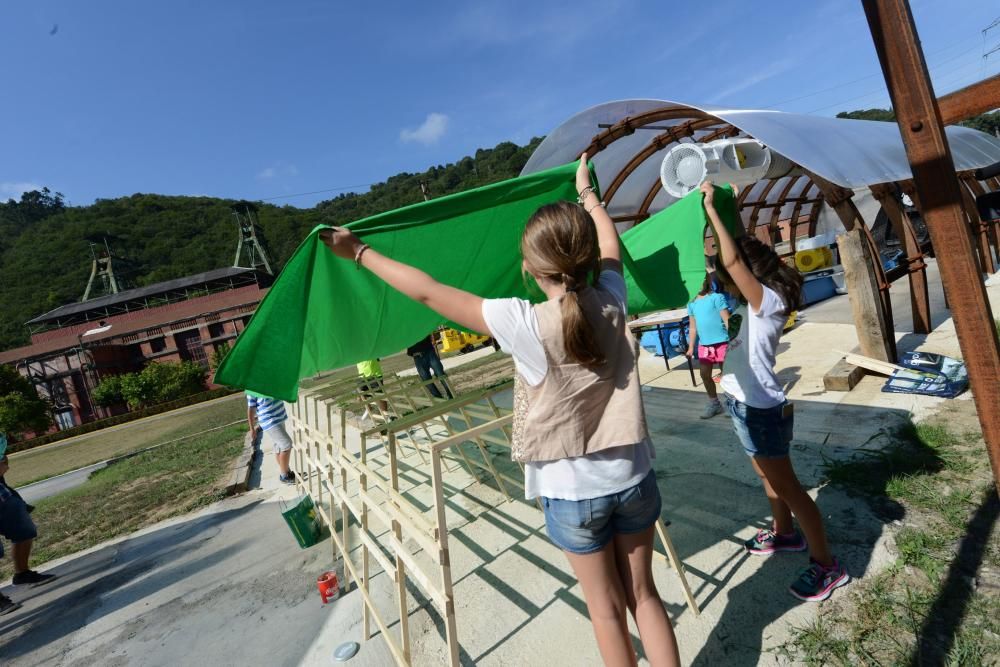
column 356, row 472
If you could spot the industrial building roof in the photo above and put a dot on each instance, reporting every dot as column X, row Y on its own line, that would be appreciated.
column 135, row 299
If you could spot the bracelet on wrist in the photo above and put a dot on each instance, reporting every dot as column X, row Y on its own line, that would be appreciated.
column 588, row 210
column 583, row 193
column 357, row 255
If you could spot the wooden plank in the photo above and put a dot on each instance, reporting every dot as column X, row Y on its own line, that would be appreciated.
column 844, row 376
column 866, row 304
column 678, row 566
column 873, row 365
column 470, row 434
column 451, row 626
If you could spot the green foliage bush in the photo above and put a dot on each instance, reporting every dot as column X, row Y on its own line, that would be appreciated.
column 21, row 409
column 156, row 383
column 108, row 391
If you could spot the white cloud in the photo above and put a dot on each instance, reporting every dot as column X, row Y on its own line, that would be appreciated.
column 769, row 72
column 277, row 170
column 432, row 129
column 14, row 190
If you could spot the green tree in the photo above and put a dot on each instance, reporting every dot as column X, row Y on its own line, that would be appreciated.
column 219, row 355
column 987, row 122
column 21, row 409
column 108, row 391
column 887, row 115
column 167, row 237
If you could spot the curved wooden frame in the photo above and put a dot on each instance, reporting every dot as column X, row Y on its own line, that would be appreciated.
column 881, row 345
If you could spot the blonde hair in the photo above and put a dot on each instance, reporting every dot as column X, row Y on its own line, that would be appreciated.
column 560, row 243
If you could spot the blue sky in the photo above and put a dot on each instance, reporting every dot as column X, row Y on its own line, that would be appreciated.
column 265, row 100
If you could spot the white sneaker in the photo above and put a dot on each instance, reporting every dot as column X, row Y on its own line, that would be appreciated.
column 711, row 409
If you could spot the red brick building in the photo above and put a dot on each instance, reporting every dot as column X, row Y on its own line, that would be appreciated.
column 74, row 346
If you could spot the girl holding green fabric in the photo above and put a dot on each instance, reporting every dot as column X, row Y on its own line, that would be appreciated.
column 579, row 425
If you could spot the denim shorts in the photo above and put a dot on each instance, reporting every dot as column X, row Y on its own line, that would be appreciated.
column 764, row 432
column 586, row 526
column 15, row 523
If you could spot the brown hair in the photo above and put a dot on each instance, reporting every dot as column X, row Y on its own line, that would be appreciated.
column 706, row 285
column 560, row 243
column 768, row 268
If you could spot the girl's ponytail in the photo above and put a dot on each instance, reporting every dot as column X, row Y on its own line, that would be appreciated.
column 578, row 336
column 560, row 243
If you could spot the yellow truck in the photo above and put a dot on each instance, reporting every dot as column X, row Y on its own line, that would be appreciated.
column 452, row 340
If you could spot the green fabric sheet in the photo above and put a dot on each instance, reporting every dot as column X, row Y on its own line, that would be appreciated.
column 322, row 313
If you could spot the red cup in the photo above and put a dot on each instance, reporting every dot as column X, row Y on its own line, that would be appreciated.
column 328, row 586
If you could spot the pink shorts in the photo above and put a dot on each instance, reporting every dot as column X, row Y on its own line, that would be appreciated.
column 712, row 354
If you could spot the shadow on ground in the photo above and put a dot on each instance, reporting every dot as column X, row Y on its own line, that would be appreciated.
column 202, row 587
column 514, row 579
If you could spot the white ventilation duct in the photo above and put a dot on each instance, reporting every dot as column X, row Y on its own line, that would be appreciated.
column 738, row 161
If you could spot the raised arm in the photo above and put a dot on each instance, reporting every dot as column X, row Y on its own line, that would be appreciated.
column 607, row 233
column 450, row 302
column 729, row 257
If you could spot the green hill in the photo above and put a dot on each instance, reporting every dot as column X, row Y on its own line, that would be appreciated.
column 44, row 255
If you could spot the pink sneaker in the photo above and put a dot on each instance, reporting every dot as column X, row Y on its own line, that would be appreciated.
column 816, row 582
column 767, row 542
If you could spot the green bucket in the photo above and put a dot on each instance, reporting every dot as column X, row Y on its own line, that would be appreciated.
column 301, row 520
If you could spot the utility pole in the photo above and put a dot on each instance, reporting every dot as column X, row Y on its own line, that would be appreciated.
column 423, row 190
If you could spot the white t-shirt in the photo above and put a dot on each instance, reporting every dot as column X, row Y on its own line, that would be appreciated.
column 748, row 371
column 513, row 324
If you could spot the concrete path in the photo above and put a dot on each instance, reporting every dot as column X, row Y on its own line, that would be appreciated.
column 32, row 493
column 70, row 480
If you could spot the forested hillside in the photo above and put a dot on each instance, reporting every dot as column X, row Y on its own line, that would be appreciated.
column 987, row 122
column 45, row 257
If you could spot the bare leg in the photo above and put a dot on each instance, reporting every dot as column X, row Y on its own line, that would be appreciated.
column 634, row 557
column 602, row 590
column 283, row 458
column 779, row 508
column 779, row 476
column 20, row 553
column 705, row 369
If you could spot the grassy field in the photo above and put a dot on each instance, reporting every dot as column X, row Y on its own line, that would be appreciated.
column 57, row 458
column 134, row 493
column 938, row 603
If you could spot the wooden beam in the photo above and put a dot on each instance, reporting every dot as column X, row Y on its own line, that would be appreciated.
column 875, row 337
column 898, row 46
column 978, row 230
column 916, row 269
column 870, row 305
column 970, row 101
column 844, row 376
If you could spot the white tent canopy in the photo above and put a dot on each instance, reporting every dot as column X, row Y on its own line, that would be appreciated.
column 850, row 153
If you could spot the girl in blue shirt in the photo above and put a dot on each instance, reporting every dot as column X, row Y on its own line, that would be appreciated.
column 709, row 317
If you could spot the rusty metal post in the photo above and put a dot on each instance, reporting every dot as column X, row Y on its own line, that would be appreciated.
column 905, row 71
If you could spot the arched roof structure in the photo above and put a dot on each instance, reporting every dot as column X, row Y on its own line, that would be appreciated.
column 629, row 138
column 835, row 157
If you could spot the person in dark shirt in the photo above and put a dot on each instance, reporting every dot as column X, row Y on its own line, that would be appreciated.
column 426, row 359
column 16, row 525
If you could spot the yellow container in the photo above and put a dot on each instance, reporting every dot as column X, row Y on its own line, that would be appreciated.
column 813, row 259
column 453, row 340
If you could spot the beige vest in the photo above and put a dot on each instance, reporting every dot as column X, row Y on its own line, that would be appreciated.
column 576, row 410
